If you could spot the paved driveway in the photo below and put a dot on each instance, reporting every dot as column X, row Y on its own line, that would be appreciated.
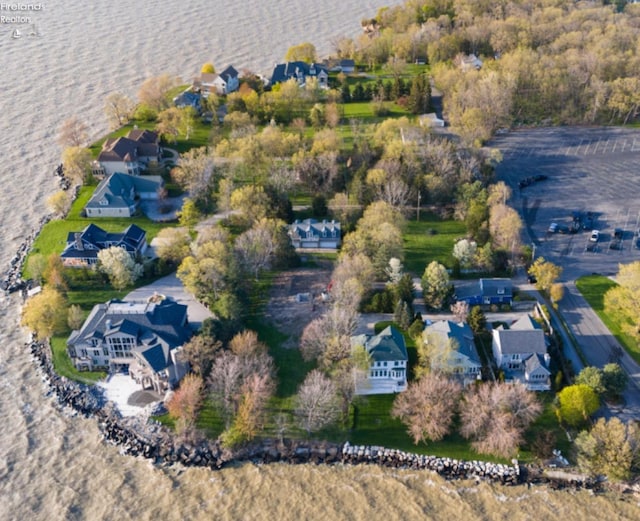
column 171, row 286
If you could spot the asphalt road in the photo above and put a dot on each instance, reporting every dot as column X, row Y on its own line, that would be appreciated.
column 587, row 170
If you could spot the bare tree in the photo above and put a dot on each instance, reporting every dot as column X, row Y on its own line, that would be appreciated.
column 496, row 416
column 118, row 109
column 59, row 202
column 200, row 351
column 255, row 394
column 314, row 339
column 77, row 163
column 427, row 407
column 72, row 133
column 317, row 405
column 256, row 249
column 246, row 344
column 194, row 172
column 153, row 91
column 186, row 402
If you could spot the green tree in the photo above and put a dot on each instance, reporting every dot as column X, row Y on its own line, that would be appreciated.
column 614, row 380
column 576, row 404
column 189, row 215
column 46, row 313
column 77, row 163
column 546, row 274
column 477, row 320
column 419, row 95
column 610, row 448
column 623, row 300
column 304, row 52
column 591, row 376
column 436, row 286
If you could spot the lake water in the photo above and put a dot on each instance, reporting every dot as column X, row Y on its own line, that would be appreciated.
column 55, row 467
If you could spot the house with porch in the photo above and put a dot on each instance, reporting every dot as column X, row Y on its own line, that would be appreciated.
column 521, row 353
column 388, row 371
column 301, row 72
column 83, row 247
column 486, row 292
column 310, row 233
column 224, row 83
column 141, row 338
column 457, row 349
column 118, row 195
column 130, row 154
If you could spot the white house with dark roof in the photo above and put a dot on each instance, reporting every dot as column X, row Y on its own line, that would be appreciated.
column 521, row 352
column 310, row 233
column 460, row 356
column 118, row 195
column 224, row 83
column 83, row 247
column 388, row 371
column 130, row 154
column 141, row 338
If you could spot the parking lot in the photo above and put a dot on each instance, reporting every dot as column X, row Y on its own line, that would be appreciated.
column 581, row 170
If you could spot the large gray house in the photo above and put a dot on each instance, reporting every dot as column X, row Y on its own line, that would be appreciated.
column 83, row 247
column 310, row 233
column 141, row 338
column 119, row 194
column 130, row 154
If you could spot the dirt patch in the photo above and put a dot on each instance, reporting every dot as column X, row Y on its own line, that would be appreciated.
column 295, row 299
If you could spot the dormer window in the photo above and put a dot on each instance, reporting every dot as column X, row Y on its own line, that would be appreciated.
column 500, row 291
column 103, row 202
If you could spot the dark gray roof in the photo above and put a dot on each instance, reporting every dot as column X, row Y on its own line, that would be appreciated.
column 144, row 320
column 298, row 70
column 311, row 228
column 461, row 333
column 496, row 287
column 229, row 73
column 526, row 323
column 118, row 149
column 156, row 356
column 117, row 188
column 88, row 242
column 388, row 345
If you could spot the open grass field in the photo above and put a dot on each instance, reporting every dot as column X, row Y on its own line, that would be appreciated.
column 593, row 288
column 430, row 239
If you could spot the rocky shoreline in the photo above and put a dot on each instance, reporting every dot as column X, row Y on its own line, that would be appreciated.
column 150, row 440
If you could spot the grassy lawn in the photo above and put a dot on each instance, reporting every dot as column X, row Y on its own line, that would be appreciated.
column 64, row 367
column 53, row 237
column 430, row 239
column 593, row 288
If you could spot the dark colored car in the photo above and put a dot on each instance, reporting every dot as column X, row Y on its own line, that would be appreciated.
column 618, row 233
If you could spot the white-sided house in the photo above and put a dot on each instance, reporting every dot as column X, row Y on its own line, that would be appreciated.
column 460, row 356
column 301, row 72
column 118, row 195
column 141, row 338
column 224, row 83
column 83, row 247
column 130, row 155
column 521, row 352
column 388, row 371
column 311, row 233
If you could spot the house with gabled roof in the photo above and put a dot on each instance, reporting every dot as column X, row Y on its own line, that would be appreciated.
column 223, row 83
column 300, row 71
column 129, row 154
column 388, row 371
column 141, row 338
column 486, row 292
column 118, row 195
column 521, row 352
column 83, row 247
column 310, row 233
column 459, row 356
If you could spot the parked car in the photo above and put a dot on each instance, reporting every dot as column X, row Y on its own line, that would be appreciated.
column 595, row 236
column 615, row 244
column 532, row 279
column 618, row 233
column 553, row 227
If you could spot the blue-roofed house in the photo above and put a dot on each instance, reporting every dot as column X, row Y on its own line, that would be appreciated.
column 521, row 352
column 454, row 350
column 486, row 292
column 83, row 247
column 141, row 338
column 300, row 71
column 310, row 233
column 347, row 66
column 118, row 195
column 188, row 98
column 388, row 371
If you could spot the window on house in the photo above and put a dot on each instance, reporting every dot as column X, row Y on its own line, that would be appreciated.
column 500, row 291
column 385, row 364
